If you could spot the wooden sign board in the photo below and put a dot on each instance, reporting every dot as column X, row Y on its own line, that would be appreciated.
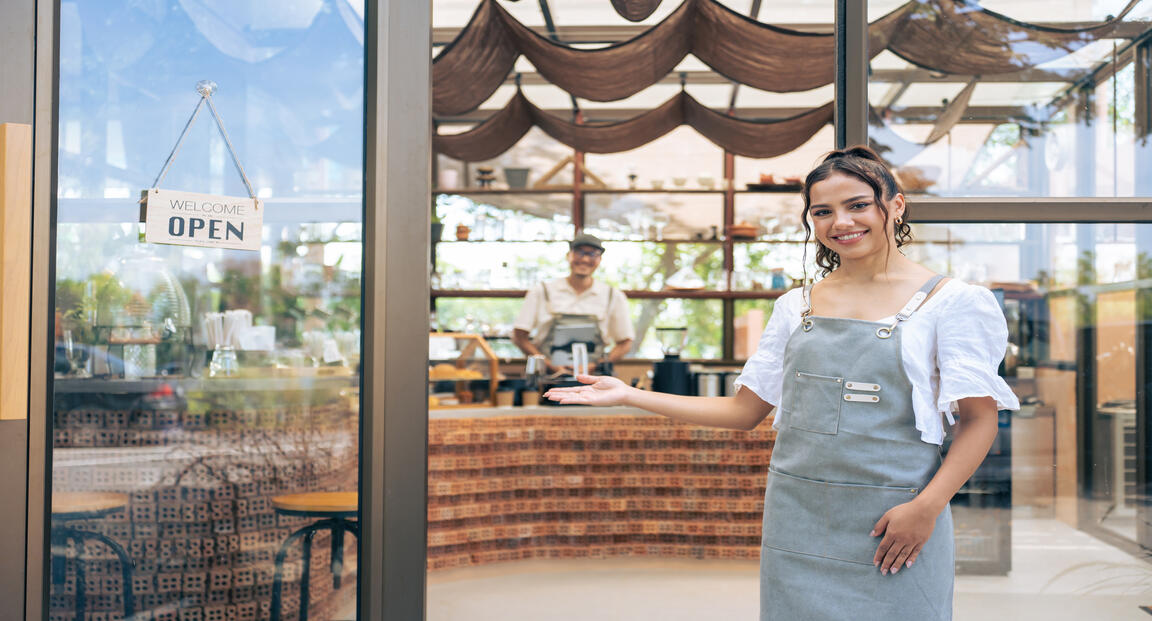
column 205, row 220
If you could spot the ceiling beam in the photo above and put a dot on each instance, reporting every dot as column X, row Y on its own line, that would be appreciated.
column 918, row 114
column 606, row 34
column 897, row 76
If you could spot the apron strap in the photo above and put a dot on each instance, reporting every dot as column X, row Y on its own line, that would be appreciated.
column 918, row 298
column 911, row 307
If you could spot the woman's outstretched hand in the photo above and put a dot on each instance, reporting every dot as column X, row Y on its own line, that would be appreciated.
column 598, row 390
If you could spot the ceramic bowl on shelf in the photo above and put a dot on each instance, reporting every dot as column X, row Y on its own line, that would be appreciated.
column 743, row 230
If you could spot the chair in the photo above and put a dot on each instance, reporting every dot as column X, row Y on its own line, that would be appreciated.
column 73, row 506
column 334, row 510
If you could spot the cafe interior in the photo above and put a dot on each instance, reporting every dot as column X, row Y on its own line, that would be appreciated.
column 218, row 441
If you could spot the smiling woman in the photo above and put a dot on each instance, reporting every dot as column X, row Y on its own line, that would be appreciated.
column 857, row 491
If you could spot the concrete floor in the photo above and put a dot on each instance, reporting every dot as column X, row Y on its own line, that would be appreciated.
column 1058, row 574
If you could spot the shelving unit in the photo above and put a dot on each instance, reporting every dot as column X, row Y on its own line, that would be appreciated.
column 578, row 190
column 632, row 294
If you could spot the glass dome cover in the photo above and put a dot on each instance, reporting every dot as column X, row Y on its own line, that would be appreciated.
column 143, row 295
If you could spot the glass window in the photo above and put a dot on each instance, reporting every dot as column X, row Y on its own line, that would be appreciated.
column 205, row 403
column 699, row 316
column 1039, row 124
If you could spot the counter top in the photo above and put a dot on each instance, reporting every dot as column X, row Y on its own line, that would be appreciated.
column 536, row 410
column 71, row 385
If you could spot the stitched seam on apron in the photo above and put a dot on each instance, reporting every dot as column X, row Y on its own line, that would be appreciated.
column 895, row 488
column 831, row 558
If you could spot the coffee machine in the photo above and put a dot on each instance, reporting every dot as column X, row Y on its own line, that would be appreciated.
column 671, row 374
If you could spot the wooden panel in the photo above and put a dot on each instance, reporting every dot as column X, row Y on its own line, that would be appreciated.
column 1062, row 330
column 1057, row 389
column 15, row 266
column 1034, row 459
column 1115, row 346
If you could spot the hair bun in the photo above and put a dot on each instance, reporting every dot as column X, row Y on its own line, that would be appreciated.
column 861, row 151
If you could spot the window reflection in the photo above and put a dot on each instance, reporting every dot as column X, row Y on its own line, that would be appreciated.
column 205, row 404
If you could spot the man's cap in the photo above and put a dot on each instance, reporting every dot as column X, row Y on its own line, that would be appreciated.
column 585, row 239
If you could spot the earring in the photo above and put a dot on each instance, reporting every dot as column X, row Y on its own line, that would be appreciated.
column 899, row 220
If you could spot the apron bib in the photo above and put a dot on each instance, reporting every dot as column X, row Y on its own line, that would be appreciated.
column 587, row 325
column 847, row 450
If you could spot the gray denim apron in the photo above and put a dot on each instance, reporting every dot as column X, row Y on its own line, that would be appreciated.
column 847, row 450
column 560, row 354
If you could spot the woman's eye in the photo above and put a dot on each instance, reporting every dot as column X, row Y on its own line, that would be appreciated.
column 820, row 213
column 859, row 205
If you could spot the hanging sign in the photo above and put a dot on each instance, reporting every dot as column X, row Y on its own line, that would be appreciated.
column 208, row 220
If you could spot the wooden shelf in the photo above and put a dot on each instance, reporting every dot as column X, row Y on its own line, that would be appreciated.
column 464, row 191
column 633, row 294
column 564, row 241
column 467, row 191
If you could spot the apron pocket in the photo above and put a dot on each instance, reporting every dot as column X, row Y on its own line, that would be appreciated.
column 830, row 520
column 812, row 402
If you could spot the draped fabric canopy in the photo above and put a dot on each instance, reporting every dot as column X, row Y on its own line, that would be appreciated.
column 759, row 139
column 635, row 10
column 762, row 56
column 958, row 37
column 952, row 36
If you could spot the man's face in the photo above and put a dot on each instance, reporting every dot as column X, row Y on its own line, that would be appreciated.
column 583, row 260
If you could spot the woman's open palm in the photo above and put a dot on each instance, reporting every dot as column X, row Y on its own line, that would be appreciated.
column 598, row 390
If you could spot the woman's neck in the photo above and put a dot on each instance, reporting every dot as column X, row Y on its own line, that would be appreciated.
column 877, row 267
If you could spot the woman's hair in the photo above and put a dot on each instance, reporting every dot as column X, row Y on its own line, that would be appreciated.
column 864, row 164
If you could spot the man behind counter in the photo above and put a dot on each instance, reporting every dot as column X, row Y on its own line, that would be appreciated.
column 577, row 309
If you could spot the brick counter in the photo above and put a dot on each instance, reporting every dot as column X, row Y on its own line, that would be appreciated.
column 523, row 483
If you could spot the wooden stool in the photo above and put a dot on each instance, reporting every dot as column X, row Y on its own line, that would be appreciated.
column 334, row 509
column 71, row 506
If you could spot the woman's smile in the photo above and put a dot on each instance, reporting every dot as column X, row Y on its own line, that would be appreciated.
column 846, row 239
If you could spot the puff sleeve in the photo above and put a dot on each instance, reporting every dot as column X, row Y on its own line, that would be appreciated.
column 971, row 341
column 763, row 374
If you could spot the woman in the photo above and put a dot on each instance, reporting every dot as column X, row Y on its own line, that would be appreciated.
column 862, row 368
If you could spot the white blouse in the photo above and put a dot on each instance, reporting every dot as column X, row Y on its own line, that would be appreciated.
column 952, row 348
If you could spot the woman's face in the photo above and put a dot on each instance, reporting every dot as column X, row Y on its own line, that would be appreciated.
column 846, row 218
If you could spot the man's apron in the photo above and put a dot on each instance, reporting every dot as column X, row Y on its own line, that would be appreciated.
column 846, row 452
column 557, row 341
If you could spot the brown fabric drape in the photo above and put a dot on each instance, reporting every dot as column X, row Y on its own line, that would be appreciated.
column 952, row 114
column 743, row 137
column 896, row 150
column 961, row 38
column 635, row 10
column 766, row 57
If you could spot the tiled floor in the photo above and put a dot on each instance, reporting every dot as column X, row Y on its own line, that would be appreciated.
column 1058, row 574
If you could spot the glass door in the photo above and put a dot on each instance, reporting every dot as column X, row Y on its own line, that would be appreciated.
column 206, row 409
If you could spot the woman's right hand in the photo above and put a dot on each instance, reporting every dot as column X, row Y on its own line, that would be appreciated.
column 598, row 390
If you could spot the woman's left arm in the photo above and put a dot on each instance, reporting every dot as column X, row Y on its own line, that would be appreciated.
column 907, row 527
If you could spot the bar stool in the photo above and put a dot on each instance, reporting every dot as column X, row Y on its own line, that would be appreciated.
column 72, row 506
column 334, row 509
